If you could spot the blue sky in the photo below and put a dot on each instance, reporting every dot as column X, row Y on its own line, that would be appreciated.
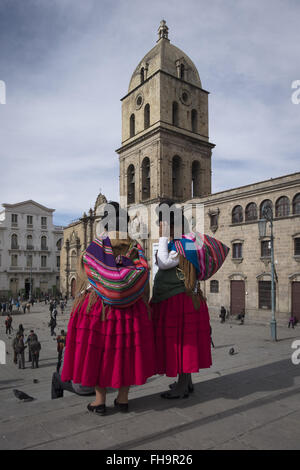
column 67, row 63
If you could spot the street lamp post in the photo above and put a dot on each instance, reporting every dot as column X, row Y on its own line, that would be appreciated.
column 267, row 216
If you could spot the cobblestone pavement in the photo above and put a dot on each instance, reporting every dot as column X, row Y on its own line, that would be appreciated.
column 249, row 400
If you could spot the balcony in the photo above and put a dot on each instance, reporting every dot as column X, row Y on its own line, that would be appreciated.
column 44, row 248
column 29, row 247
column 15, row 247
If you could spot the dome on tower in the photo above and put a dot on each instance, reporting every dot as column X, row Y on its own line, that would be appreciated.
column 168, row 58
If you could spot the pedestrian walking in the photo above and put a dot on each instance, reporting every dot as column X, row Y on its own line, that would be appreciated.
column 116, row 319
column 223, row 314
column 8, row 323
column 31, row 337
column 35, row 347
column 61, row 342
column 52, row 325
column 292, row 321
column 14, row 346
column 20, row 349
column 24, row 308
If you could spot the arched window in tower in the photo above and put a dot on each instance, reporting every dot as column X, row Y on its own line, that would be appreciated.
column 194, row 120
column 146, row 178
column 176, row 177
column 147, row 116
column 130, row 185
column 196, row 182
column 182, row 71
column 175, row 113
column 282, row 207
column 132, row 125
column 142, row 74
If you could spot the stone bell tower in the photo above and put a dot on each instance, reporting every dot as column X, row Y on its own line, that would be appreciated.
column 165, row 152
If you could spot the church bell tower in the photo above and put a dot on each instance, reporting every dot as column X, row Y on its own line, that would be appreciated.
column 165, row 151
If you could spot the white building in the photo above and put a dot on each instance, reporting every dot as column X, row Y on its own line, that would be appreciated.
column 29, row 249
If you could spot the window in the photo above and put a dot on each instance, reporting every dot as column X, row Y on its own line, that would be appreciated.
column 43, row 261
column 130, row 184
column 175, row 114
column 194, row 120
column 29, row 245
column 176, row 177
column 237, row 250
column 251, row 212
column 29, row 261
column 297, row 246
column 132, row 125
column 182, row 71
column 44, row 221
column 14, row 219
column 266, row 203
column 237, row 214
column 214, row 287
column 58, row 244
column 147, row 116
column 146, row 178
column 142, row 74
column 58, row 261
column 266, row 249
column 73, row 260
column 264, row 294
column 44, row 243
column 196, row 179
column 14, row 260
column 29, row 220
column 296, row 204
column 14, row 242
column 282, row 207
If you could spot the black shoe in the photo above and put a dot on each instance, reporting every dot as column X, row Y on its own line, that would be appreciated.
column 99, row 409
column 123, row 407
column 171, row 396
column 190, row 387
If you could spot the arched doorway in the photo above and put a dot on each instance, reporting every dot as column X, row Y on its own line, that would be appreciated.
column 73, row 287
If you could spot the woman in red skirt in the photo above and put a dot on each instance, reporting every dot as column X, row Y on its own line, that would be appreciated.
column 108, row 344
column 180, row 313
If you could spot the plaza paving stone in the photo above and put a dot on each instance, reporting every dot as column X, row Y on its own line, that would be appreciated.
column 246, row 401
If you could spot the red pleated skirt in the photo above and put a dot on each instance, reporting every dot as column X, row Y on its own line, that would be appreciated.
column 115, row 352
column 182, row 336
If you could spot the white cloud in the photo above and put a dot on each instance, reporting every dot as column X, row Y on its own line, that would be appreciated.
column 68, row 64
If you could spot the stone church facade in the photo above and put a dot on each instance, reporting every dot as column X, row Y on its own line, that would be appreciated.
column 166, row 154
column 77, row 237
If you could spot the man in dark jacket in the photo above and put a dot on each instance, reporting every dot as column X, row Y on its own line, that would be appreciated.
column 223, row 314
column 31, row 337
column 35, row 347
column 8, row 323
column 20, row 349
column 52, row 325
